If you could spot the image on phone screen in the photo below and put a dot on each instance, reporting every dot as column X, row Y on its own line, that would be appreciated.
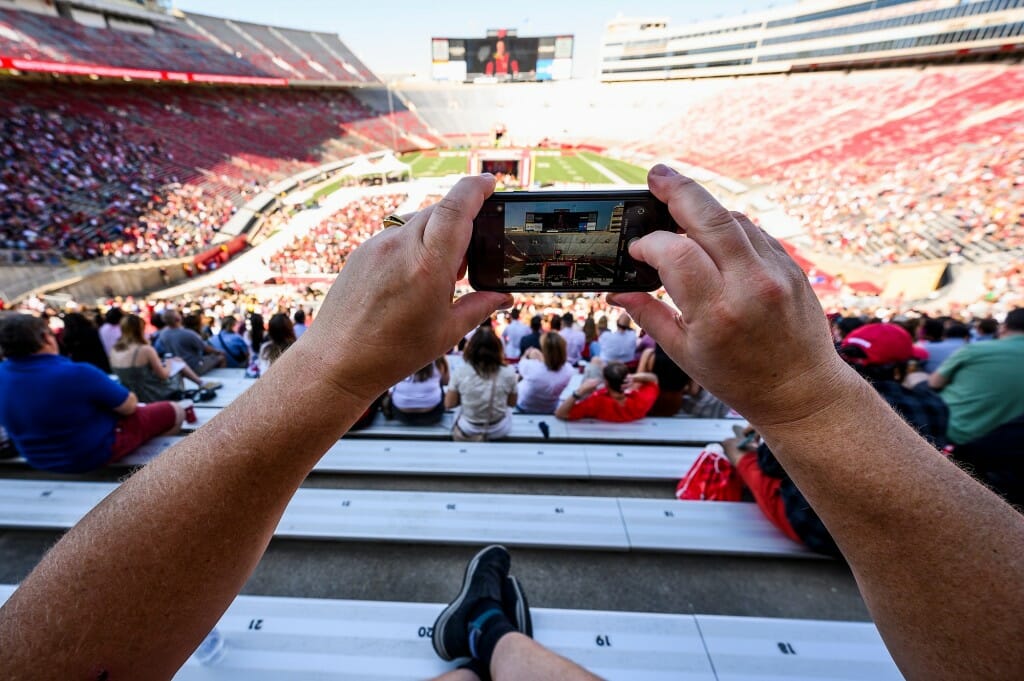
column 565, row 244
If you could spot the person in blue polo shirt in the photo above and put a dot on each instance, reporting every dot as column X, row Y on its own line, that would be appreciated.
column 64, row 416
column 235, row 350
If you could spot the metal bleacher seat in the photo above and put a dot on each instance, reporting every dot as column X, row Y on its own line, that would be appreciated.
column 568, row 522
column 299, row 638
column 480, row 459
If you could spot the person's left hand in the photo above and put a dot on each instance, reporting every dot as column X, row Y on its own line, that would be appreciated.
column 390, row 311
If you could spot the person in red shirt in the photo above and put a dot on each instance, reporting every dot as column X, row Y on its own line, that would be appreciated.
column 624, row 397
column 502, row 63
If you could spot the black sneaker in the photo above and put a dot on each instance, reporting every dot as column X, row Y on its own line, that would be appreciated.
column 517, row 609
column 485, row 576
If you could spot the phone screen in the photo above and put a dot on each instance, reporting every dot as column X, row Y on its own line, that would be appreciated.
column 564, row 241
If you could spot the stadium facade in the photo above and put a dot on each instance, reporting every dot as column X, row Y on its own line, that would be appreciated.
column 813, row 35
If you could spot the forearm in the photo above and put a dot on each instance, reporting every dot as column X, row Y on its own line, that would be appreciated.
column 134, row 560
column 913, row 527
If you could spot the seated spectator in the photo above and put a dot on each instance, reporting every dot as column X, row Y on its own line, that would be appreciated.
column 591, row 348
column 513, row 333
column 418, row 400
column 140, row 369
column 983, row 384
column 80, row 342
column 532, row 339
column 280, row 337
column 619, row 345
column 484, row 388
column 544, row 373
column 624, row 396
column 69, row 417
column 232, row 345
column 200, row 356
column 880, row 353
column 575, row 339
column 672, row 381
column 300, row 323
column 986, row 329
column 844, row 326
column 942, row 340
column 110, row 330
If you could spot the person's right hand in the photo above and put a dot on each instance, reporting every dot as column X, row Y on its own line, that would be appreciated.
column 749, row 327
column 390, row 312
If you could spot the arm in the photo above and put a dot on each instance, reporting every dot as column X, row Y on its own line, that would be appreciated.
column 937, row 381
column 128, row 407
column 937, row 556
column 451, row 398
column 586, row 388
column 646, row 363
column 188, row 529
column 533, row 353
column 155, row 365
column 643, row 377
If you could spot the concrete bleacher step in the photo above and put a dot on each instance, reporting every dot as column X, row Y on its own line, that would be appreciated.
column 485, row 459
column 298, row 638
column 559, row 522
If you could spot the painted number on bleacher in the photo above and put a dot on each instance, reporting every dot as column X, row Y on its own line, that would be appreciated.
column 559, row 510
column 346, row 503
column 670, row 514
column 425, row 632
column 603, row 641
column 255, row 625
column 786, row 648
column 450, row 507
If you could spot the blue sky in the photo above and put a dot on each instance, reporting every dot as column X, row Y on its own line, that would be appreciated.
column 393, row 36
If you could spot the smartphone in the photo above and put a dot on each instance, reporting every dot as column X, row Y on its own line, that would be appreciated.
column 564, row 241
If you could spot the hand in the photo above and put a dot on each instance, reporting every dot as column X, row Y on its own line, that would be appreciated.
column 390, row 311
column 749, row 327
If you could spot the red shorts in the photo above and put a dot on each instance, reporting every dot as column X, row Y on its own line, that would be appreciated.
column 766, row 493
column 148, row 421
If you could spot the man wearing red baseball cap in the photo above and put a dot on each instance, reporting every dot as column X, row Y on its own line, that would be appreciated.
column 880, row 353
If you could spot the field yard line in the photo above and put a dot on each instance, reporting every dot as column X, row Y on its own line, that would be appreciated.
column 604, row 171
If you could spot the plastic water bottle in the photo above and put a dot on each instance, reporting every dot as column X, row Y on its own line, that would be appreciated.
column 211, row 650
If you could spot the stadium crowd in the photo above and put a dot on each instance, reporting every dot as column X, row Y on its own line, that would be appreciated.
column 324, row 249
column 80, row 186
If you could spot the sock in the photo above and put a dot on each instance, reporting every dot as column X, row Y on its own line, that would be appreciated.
column 477, row 667
column 487, row 624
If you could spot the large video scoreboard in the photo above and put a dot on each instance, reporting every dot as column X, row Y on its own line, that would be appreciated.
column 502, row 56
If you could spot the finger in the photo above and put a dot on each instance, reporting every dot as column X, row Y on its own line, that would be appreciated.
column 704, row 219
column 754, row 233
column 471, row 309
column 687, row 271
column 657, row 318
column 447, row 231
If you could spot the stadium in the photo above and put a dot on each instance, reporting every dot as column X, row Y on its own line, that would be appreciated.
column 186, row 169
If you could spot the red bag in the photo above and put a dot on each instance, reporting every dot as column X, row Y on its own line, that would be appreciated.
column 711, row 478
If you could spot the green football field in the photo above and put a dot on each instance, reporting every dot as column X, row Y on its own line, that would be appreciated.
column 584, row 167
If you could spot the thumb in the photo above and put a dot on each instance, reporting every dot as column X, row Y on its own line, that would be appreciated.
column 472, row 308
column 656, row 318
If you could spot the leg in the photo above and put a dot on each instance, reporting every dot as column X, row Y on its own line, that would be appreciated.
column 595, row 369
column 519, row 657
column 458, row 675
column 148, row 421
column 764, row 488
column 191, row 375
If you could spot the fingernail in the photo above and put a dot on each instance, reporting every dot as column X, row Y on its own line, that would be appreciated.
column 663, row 170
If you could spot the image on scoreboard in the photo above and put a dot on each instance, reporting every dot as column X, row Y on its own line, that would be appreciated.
column 573, row 244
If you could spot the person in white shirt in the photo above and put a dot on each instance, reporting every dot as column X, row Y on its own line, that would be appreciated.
column 575, row 339
column 545, row 373
column 418, row 400
column 619, row 345
column 514, row 333
column 110, row 330
column 484, row 388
